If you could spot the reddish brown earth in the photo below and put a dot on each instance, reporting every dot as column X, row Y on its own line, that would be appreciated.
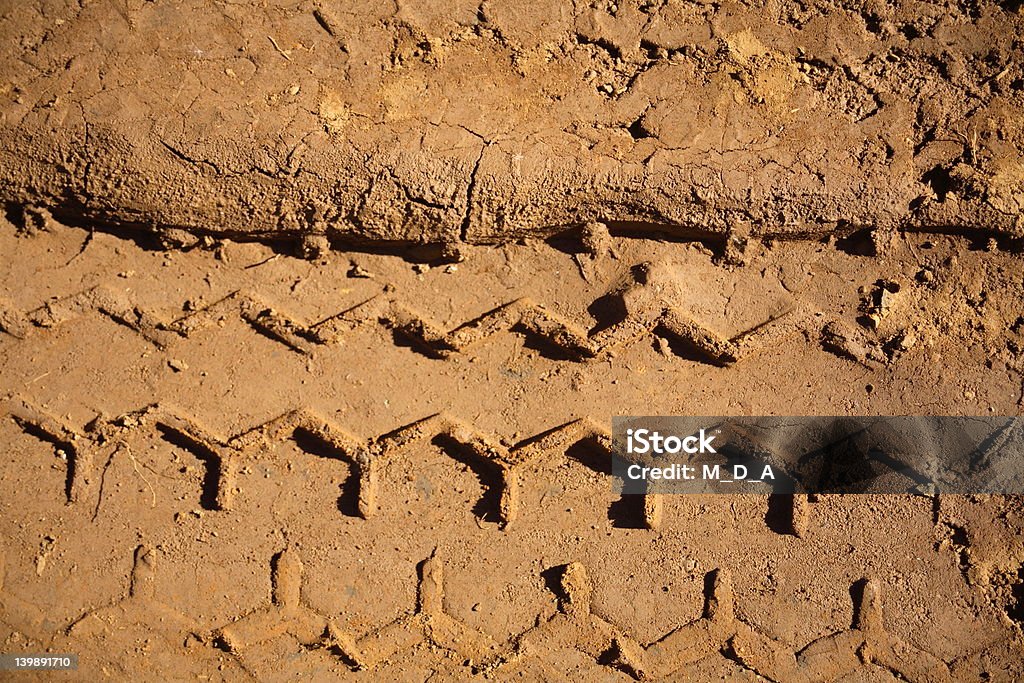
column 313, row 319
column 217, row 447
column 480, row 122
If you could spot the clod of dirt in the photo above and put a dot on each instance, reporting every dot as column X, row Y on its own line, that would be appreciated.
column 357, row 271
column 45, row 550
column 734, row 251
column 314, row 247
column 899, row 343
column 848, row 342
column 175, row 238
column 596, row 240
column 879, row 303
column 34, row 220
column 453, row 252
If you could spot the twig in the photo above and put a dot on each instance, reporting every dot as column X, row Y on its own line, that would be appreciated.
column 971, row 144
column 135, row 465
column 277, row 47
column 579, row 264
column 103, row 482
column 1001, row 74
column 260, row 263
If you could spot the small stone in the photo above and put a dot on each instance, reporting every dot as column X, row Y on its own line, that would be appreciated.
column 177, row 365
column 175, row 238
column 879, row 302
column 907, row 340
column 358, row 271
column 453, row 253
column 846, row 341
column 664, row 347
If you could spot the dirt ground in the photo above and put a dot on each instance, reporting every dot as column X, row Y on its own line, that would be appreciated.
column 314, row 317
column 414, row 121
column 153, row 482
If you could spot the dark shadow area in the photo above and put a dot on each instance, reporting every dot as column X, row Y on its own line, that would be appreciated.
column 858, row 243
column 1015, row 610
column 608, row 310
column 977, row 239
column 686, row 351
column 779, row 517
column 669, row 232
column 590, row 455
column 348, row 501
column 14, row 213
column 552, row 577
column 74, row 214
column 857, row 596
column 220, row 643
column 939, row 179
column 844, row 465
column 986, row 240
column 838, row 467
column 488, row 507
column 545, row 347
column 407, row 341
column 567, row 240
column 338, row 652
column 211, row 464
column 627, row 512
column 637, row 131
column 57, row 442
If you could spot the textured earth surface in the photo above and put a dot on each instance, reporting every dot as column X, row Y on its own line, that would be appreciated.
column 314, row 316
column 480, row 122
column 230, row 463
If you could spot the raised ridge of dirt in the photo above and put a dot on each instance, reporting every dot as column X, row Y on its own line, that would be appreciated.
column 482, row 122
